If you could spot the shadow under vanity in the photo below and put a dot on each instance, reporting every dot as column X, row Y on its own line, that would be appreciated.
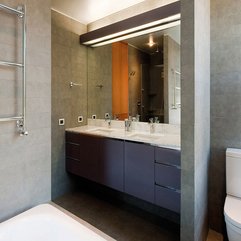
column 139, row 163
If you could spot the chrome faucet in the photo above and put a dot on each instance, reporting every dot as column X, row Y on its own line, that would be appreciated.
column 108, row 119
column 128, row 124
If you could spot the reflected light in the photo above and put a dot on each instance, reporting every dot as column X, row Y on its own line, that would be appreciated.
column 151, row 42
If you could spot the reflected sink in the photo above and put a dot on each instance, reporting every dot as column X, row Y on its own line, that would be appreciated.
column 101, row 131
column 144, row 136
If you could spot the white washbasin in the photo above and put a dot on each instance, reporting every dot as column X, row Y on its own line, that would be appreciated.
column 143, row 136
column 101, row 130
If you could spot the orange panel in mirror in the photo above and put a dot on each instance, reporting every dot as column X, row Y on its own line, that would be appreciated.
column 120, row 80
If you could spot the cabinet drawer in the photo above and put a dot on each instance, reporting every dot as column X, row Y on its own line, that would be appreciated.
column 167, row 198
column 72, row 137
column 72, row 150
column 169, row 176
column 167, row 156
column 73, row 166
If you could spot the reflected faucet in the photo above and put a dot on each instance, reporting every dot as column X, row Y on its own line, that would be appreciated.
column 128, row 124
column 152, row 127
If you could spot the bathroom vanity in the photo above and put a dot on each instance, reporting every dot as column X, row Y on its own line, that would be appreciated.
column 96, row 158
column 136, row 163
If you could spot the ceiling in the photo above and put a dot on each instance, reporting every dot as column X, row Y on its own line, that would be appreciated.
column 87, row 11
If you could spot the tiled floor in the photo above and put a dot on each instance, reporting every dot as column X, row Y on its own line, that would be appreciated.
column 119, row 221
column 122, row 222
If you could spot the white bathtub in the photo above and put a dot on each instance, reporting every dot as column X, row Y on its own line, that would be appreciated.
column 48, row 223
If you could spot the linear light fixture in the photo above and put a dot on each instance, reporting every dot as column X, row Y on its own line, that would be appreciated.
column 136, row 34
column 151, row 21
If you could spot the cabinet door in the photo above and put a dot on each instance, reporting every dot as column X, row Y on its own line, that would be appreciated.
column 89, row 157
column 139, row 170
column 111, row 169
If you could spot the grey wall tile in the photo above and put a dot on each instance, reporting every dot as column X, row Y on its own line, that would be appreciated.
column 225, row 99
column 25, row 168
column 195, row 134
column 69, row 63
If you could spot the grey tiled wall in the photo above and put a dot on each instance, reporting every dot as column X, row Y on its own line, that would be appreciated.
column 225, row 99
column 25, row 162
column 195, row 118
column 69, row 63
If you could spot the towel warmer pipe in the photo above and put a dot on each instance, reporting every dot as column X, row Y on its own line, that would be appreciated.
column 23, row 131
column 13, row 10
column 5, row 63
column 21, row 120
column 175, row 105
column 11, row 118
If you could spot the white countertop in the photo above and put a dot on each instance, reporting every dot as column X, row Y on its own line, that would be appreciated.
column 166, row 140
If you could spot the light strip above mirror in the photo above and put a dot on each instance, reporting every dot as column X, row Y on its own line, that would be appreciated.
column 154, row 20
column 139, row 33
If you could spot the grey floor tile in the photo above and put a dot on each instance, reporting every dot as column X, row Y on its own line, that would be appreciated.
column 115, row 219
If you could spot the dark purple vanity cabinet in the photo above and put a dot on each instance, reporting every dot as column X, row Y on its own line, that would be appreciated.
column 112, row 163
column 167, row 178
column 72, row 153
column 139, row 170
column 96, row 158
column 82, row 155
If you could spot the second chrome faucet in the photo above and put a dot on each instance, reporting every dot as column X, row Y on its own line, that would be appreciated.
column 128, row 124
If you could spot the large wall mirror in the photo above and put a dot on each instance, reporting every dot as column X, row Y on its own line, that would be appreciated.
column 138, row 73
column 151, row 63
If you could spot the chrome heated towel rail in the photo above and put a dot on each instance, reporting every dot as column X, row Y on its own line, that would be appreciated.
column 21, row 119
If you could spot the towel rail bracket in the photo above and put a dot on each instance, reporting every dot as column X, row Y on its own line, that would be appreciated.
column 21, row 129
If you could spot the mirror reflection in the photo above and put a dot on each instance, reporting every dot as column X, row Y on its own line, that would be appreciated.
column 138, row 77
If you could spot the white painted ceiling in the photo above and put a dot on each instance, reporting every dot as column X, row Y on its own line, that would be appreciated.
column 87, row 11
